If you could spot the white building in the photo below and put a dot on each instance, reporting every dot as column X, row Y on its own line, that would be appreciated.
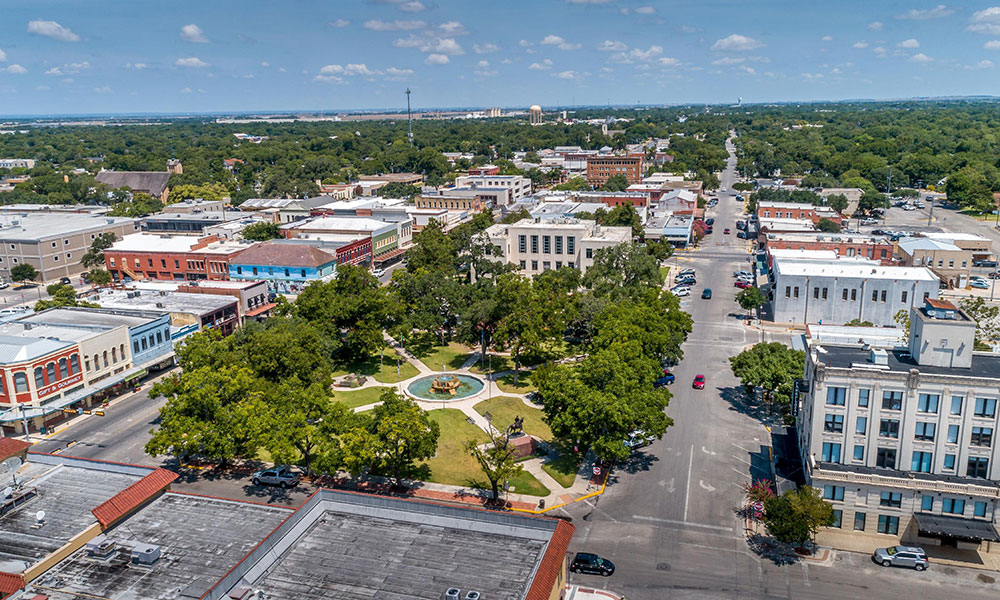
column 519, row 186
column 836, row 292
column 17, row 163
column 901, row 441
column 536, row 245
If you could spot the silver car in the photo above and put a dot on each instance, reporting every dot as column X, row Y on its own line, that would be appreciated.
column 901, row 556
column 280, row 475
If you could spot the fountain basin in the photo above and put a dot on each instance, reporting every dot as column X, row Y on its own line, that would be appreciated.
column 445, row 387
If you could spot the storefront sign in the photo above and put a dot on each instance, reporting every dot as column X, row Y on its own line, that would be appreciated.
column 55, row 387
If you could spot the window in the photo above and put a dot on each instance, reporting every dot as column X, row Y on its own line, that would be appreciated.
column 951, row 264
column 105, row 359
column 874, row 295
column 834, row 423
column 986, row 407
column 952, row 506
column 815, row 293
column 239, row 270
column 570, row 244
column 788, row 291
column 892, row 400
column 836, row 396
column 982, row 436
column 39, row 378
column 953, row 434
column 979, row 509
column 20, row 382
column 833, row 492
column 795, row 291
column 534, row 244
column 159, row 337
column 949, row 462
column 845, row 294
column 978, row 467
column 522, row 263
column 891, row 499
column 863, row 397
column 926, row 503
column 956, row 405
column 522, row 243
column 886, row 457
column 859, row 521
column 831, row 452
column 114, row 355
column 546, row 265
column 558, row 264
column 135, row 348
column 824, row 293
column 50, row 372
column 63, row 368
column 903, row 298
column 590, row 253
column 861, row 425
column 922, row 462
column 924, row 432
column 854, row 295
column 859, row 452
column 927, row 403
column 559, row 244
column 888, row 524
column 86, row 362
column 534, row 265
column 838, row 518
column 888, row 428
column 546, row 244
column 145, row 346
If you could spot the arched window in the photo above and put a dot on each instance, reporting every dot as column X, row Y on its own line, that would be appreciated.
column 114, row 354
column 3, row 389
column 63, row 368
column 20, row 383
column 121, row 350
column 135, row 346
column 39, row 378
column 159, row 337
column 166, row 334
column 97, row 362
column 74, row 363
column 105, row 359
column 151, row 342
column 144, row 346
column 50, row 372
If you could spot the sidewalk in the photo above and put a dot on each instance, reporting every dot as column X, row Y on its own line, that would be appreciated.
column 865, row 544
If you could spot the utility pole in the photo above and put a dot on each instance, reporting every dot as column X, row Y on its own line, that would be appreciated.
column 888, row 191
column 409, row 118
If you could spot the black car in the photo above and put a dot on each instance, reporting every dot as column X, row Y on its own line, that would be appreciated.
column 584, row 562
column 707, row 294
column 710, row 221
column 65, row 281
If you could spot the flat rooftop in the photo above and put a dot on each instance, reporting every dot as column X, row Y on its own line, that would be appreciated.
column 175, row 244
column 209, row 216
column 171, row 302
column 845, row 268
column 39, row 226
column 200, row 538
column 91, row 317
column 333, row 224
column 950, row 236
column 67, row 494
column 819, row 236
column 844, row 357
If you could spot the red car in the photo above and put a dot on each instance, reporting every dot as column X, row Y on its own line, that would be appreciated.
column 742, row 284
column 726, row 231
column 699, row 382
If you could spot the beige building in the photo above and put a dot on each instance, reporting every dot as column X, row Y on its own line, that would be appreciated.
column 900, row 441
column 948, row 261
column 54, row 243
column 536, row 245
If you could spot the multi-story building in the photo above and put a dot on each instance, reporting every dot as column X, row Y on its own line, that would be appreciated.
column 454, row 202
column 536, row 245
column 796, row 210
column 981, row 247
column 405, row 178
column 948, row 261
column 192, row 223
column 252, row 295
column 840, row 291
column 901, row 441
column 287, row 268
column 17, row 163
column 389, row 238
column 64, row 356
column 171, row 257
column 519, row 186
column 188, row 312
column 54, row 244
column 603, row 166
column 874, row 247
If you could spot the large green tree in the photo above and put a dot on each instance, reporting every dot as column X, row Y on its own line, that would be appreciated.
column 987, row 318
column 771, row 366
column 623, row 271
column 795, row 516
column 94, row 257
column 261, row 231
column 497, row 458
column 62, row 295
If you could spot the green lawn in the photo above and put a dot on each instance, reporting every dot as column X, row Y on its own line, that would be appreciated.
column 455, row 466
column 446, row 358
column 563, row 469
column 504, row 409
column 356, row 398
column 370, row 367
column 523, row 386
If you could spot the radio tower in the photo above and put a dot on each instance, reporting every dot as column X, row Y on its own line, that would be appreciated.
column 409, row 119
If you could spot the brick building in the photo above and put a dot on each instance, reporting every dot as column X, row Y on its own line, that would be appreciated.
column 601, row 167
column 171, row 257
column 795, row 210
column 855, row 245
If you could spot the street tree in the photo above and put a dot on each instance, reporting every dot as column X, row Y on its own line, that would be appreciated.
column 23, row 272
column 99, row 277
column 305, row 423
column 497, row 458
column 771, row 366
column 94, row 256
column 827, row 226
column 621, row 271
column 261, row 231
column 751, row 299
column 61, row 295
column 986, row 318
column 795, row 516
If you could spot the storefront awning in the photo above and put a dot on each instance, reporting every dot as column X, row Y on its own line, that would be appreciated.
column 260, row 309
column 957, row 528
column 15, row 414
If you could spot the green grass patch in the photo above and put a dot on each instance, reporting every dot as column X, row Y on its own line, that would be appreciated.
column 453, row 464
column 504, row 409
column 387, row 373
column 356, row 398
column 523, row 385
column 525, row 483
column 446, row 358
column 563, row 468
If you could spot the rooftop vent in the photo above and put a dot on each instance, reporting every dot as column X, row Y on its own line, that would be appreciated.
column 453, row 594
column 879, row 356
column 100, row 547
column 145, row 554
column 159, row 305
column 471, row 595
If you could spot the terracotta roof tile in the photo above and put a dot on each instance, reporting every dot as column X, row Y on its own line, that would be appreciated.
column 552, row 563
column 942, row 304
column 10, row 583
column 12, row 447
column 283, row 255
column 132, row 497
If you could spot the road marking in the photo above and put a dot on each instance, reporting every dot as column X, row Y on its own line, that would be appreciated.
column 684, row 523
column 706, row 451
column 805, row 574
column 668, row 485
column 705, row 486
column 687, row 488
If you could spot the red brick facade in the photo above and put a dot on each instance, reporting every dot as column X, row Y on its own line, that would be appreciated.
column 600, row 168
column 882, row 252
column 792, row 212
column 172, row 266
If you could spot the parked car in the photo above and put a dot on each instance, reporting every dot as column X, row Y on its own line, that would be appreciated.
column 667, row 379
column 741, row 224
column 686, row 281
column 994, row 275
column 918, row 204
column 742, row 284
column 706, row 294
column 686, row 271
column 699, row 382
column 710, row 221
column 746, row 274
column 742, row 235
column 378, row 273
column 585, row 562
column 982, row 262
column 281, row 476
column 869, row 221
column 901, row 556
column 4, row 285
column 980, row 284
column 638, row 439
column 680, row 291
column 909, row 207
column 725, row 231
column 65, row 281
column 709, row 230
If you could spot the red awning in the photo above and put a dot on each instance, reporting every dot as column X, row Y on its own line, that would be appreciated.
column 388, row 255
column 260, row 309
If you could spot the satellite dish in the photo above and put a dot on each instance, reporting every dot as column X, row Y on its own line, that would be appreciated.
column 11, row 465
column 7, row 492
column 40, row 516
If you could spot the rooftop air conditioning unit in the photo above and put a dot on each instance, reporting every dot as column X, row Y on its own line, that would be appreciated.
column 145, row 554
column 453, row 594
column 471, row 595
column 159, row 305
column 100, row 547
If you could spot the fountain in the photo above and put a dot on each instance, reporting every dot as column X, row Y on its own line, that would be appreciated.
column 446, row 384
column 445, row 387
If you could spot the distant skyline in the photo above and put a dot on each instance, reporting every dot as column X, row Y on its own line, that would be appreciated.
column 70, row 57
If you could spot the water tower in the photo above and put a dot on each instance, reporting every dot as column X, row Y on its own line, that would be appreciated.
column 535, row 115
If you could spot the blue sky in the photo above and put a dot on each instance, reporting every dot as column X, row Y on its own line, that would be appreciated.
column 75, row 57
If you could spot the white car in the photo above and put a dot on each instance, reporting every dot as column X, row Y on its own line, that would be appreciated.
column 680, row 291
column 909, row 207
column 378, row 273
column 4, row 285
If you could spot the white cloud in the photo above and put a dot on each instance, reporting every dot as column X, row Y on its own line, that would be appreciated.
column 986, row 21
column 397, row 25
column 748, row 70
column 412, row 6
column 860, row 45
column 736, row 42
column 193, row 33
column 15, row 69
column 645, row 10
column 921, row 58
column 879, row 51
column 992, row 45
column 567, row 75
column 525, row 44
column 729, row 60
column 909, row 44
column 811, row 76
column 826, row 38
column 451, row 28
column 875, row 26
column 437, row 59
column 191, row 61
column 668, row 61
column 937, row 12
column 485, row 48
column 339, row 23
column 102, row 90
column 984, row 28
column 542, row 66
column 558, row 42
column 68, row 69
column 431, row 44
column 483, row 64
column 983, row 64
column 328, row 79
column 186, row 90
column 350, row 70
column 265, row 64
column 3, row 56
column 612, row 46
column 396, row 72
column 53, row 30
column 645, row 55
